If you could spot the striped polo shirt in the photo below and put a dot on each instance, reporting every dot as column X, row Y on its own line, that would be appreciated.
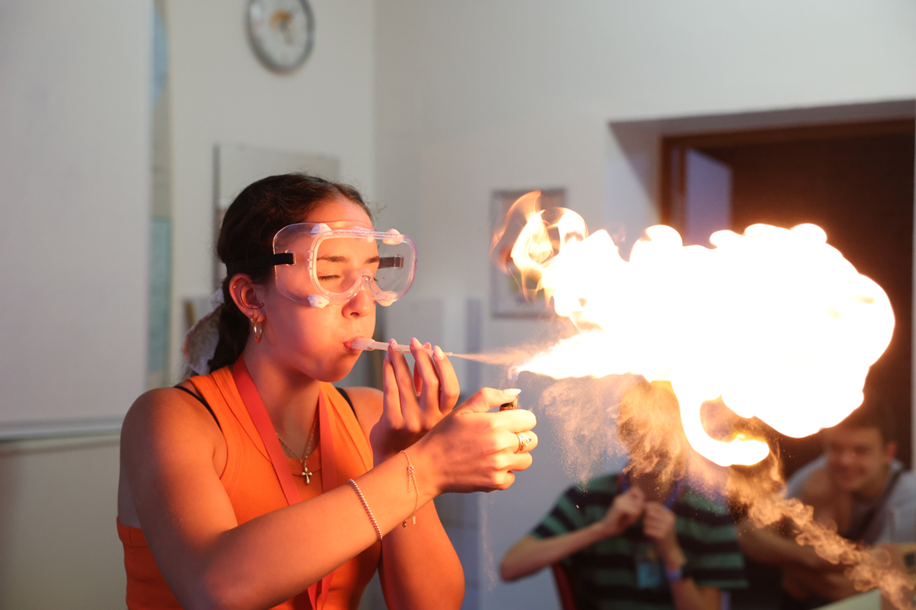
column 603, row 575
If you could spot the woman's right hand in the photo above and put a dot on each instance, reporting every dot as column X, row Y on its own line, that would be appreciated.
column 473, row 450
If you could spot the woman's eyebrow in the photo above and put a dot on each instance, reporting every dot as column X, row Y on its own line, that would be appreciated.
column 335, row 258
column 340, row 258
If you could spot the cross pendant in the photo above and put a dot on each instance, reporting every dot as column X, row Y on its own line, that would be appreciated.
column 308, row 475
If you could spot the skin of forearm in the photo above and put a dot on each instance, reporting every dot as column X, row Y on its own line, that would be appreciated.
column 831, row 585
column 688, row 596
column 230, row 567
column 765, row 546
column 685, row 594
column 419, row 567
column 532, row 554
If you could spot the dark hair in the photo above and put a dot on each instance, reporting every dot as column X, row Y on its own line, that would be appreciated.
column 260, row 210
column 873, row 413
column 649, row 426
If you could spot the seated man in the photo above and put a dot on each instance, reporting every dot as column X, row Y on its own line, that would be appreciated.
column 858, row 485
column 642, row 537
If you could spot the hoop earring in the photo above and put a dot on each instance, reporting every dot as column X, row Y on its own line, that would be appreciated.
column 256, row 327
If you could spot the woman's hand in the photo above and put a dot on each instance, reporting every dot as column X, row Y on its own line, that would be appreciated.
column 473, row 450
column 412, row 402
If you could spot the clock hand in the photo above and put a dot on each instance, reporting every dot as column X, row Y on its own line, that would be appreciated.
column 283, row 20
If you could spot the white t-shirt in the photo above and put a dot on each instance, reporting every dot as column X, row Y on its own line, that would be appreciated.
column 895, row 522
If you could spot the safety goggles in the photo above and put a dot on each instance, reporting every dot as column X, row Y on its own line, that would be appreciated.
column 324, row 263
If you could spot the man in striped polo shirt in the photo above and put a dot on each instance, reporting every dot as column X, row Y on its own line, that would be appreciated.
column 644, row 538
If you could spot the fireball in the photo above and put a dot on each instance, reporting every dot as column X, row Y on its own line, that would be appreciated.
column 774, row 322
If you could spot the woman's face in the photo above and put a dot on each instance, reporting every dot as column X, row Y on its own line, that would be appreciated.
column 316, row 341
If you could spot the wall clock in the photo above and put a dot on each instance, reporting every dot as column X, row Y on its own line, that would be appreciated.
column 282, row 32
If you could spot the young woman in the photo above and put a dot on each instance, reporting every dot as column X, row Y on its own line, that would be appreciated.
column 260, row 485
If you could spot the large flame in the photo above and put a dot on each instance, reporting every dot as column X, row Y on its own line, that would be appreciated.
column 774, row 322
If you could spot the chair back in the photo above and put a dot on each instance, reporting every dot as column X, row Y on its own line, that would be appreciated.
column 564, row 588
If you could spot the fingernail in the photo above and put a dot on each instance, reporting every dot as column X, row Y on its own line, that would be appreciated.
column 414, row 342
column 427, row 345
column 511, row 392
column 437, row 351
column 392, row 344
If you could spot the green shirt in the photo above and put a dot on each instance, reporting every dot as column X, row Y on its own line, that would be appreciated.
column 603, row 575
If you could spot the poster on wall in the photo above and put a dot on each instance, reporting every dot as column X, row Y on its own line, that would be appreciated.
column 507, row 299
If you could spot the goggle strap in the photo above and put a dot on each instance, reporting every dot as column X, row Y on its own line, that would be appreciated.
column 259, row 262
column 391, row 262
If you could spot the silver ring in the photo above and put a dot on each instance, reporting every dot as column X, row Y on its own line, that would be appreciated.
column 523, row 442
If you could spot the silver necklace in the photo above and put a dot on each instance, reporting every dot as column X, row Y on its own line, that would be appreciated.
column 308, row 474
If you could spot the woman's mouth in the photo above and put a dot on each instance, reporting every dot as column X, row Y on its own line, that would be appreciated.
column 349, row 344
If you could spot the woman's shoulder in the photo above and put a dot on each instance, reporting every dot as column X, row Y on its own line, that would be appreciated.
column 167, row 411
column 367, row 404
column 368, row 400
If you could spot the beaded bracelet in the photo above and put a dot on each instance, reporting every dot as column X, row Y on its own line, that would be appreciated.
column 412, row 478
column 362, row 499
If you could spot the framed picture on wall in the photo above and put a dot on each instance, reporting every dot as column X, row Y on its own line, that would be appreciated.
column 507, row 299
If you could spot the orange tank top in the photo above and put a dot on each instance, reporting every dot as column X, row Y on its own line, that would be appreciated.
column 254, row 490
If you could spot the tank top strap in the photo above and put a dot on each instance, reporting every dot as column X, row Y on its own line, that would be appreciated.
column 223, row 384
column 218, row 389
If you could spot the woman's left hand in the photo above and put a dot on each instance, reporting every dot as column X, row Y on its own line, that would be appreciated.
column 412, row 402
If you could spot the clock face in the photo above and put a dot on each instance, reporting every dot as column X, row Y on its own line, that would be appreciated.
column 282, row 32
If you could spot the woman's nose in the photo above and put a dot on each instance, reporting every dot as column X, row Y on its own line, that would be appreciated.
column 362, row 303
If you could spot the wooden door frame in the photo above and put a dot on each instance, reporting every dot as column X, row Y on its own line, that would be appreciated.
column 673, row 152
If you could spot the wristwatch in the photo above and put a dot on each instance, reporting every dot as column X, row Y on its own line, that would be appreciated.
column 679, row 573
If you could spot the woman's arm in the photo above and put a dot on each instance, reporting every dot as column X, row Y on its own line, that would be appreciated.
column 210, row 561
column 418, row 567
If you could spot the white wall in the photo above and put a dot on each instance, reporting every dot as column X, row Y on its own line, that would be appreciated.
column 59, row 547
column 74, row 237
column 60, row 61
column 481, row 95
column 221, row 93
column 74, row 170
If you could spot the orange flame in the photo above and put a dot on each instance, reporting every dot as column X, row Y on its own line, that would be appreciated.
column 775, row 322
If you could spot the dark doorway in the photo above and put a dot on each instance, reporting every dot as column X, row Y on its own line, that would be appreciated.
column 853, row 180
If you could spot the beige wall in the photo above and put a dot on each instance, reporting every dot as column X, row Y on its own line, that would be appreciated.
column 74, row 208
column 74, row 169
column 481, row 95
column 220, row 93
column 59, row 545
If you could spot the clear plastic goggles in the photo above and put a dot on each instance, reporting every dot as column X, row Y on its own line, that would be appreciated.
column 323, row 263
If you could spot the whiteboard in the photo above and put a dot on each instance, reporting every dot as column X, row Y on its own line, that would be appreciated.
column 75, row 203
column 238, row 165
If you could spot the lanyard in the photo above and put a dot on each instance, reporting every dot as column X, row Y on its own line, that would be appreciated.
column 624, row 483
column 261, row 419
